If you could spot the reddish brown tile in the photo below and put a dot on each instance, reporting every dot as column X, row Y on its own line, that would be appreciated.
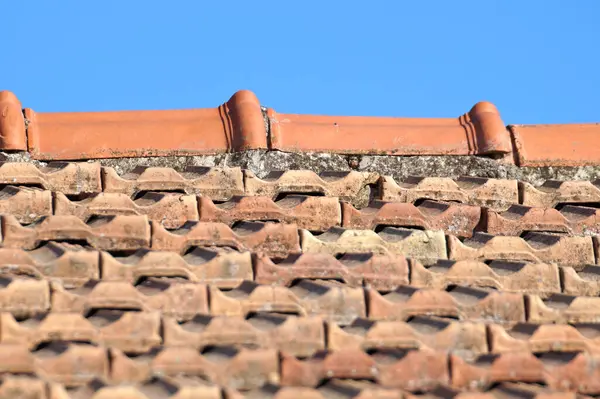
column 344, row 185
column 217, row 183
column 480, row 131
column 556, row 145
column 380, row 272
column 339, row 304
column 539, row 278
column 584, row 282
column 179, row 300
column 560, row 308
column 25, row 204
column 221, row 268
column 567, row 371
column 23, row 297
column 574, row 220
column 312, row 213
column 331, row 389
column 235, row 368
column 129, row 331
column 300, row 336
column 107, row 233
column 69, row 178
column 536, row 338
column 69, row 264
column 12, row 123
column 23, row 387
column 271, row 239
column 462, row 338
column 413, row 370
column 171, row 210
column 455, row 302
column 156, row 387
column 426, row 246
column 234, row 126
column 495, row 194
column 56, row 362
column 554, row 192
column 534, row 248
column 456, row 219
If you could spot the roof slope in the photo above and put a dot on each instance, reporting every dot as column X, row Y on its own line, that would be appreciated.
column 231, row 282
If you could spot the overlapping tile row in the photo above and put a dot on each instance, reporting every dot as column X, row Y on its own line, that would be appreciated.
column 74, row 266
column 458, row 207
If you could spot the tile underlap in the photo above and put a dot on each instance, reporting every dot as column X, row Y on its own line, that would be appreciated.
column 215, row 282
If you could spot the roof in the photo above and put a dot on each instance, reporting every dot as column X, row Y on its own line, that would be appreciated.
column 242, row 124
column 239, row 252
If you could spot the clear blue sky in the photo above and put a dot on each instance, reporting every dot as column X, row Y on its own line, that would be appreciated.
column 538, row 61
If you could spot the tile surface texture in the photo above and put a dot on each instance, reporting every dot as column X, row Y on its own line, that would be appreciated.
column 296, row 256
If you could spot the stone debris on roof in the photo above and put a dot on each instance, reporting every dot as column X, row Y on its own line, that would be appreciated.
column 136, row 263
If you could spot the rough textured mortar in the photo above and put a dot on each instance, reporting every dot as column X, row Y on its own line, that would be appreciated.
column 262, row 162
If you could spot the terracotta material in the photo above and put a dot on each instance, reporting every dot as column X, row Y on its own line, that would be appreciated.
column 459, row 220
column 379, row 272
column 223, row 269
column 26, row 386
column 107, row 233
column 426, row 246
column 58, row 362
column 556, row 145
column 69, row 178
column 155, row 387
column 312, row 213
column 554, row 192
column 260, row 330
column 494, row 194
column 179, row 300
column 465, row 339
column 69, row 264
column 574, row 220
column 333, row 388
column 23, row 297
column 564, row 371
column 545, row 338
column 538, row 278
column 12, row 123
column 343, row 185
column 217, row 183
column 26, row 204
column 480, row 131
column 235, row 368
column 134, row 332
column 458, row 302
column 336, row 303
column 271, row 239
column 235, row 126
column 413, row 370
column 560, row 308
column 171, row 210
column 584, row 282
column 534, row 248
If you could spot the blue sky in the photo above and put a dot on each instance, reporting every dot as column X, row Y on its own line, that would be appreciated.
column 537, row 60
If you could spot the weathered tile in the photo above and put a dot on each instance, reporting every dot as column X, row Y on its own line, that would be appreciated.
column 495, row 194
column 169, row 209
column 426, row 246
column 300, row 336
column 539, row 278
column 217, row 183
column 380, row 272
column 219, row 267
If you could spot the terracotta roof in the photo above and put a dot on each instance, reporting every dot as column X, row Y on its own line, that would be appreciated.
column 241, row 124
column 228, row 281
